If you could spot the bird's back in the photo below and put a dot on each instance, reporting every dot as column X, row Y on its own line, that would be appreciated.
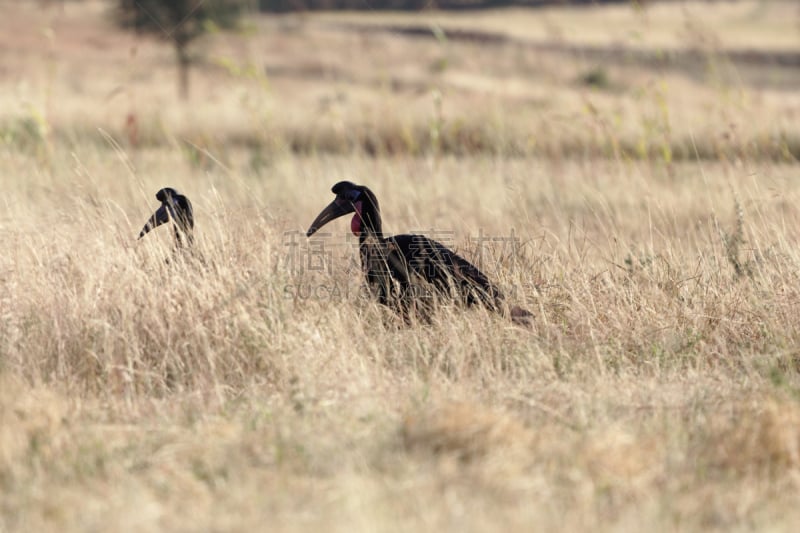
column 451, row 274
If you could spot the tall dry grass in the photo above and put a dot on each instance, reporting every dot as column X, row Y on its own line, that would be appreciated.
column 657, row 386
column 249, row 385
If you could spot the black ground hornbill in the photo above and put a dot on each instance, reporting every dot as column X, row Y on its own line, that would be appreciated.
column 401, row 270
column 175, row 207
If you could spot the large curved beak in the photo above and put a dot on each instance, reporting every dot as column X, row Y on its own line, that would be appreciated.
column 161, row 216
column 337, row 208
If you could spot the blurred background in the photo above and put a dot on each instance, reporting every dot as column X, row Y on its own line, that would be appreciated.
column 656, row 80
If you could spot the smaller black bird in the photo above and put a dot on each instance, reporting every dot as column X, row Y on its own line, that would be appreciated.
column 177, row 208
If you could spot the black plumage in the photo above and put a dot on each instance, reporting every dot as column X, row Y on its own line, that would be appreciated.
column 409, row 273
column 177, row 208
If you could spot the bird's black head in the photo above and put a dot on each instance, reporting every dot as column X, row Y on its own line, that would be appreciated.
column 175, row 207
column 167, row 194
column 351, row 198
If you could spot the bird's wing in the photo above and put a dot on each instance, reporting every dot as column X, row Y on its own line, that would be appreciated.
column 444, row 268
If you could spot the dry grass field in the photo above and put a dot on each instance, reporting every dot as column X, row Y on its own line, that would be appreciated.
column 646, row 213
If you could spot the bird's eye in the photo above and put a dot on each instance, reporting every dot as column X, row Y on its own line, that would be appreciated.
column 353, row 195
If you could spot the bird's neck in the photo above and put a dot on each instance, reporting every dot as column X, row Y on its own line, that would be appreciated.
column 183, row 237
column 371, row 225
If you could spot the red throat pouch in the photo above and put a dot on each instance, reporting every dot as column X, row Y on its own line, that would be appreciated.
column 355, row 224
